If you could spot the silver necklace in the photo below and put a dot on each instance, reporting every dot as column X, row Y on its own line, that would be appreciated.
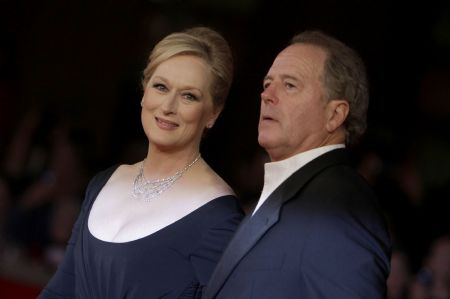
column 147, row 190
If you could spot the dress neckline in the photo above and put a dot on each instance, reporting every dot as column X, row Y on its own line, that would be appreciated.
column 162, row 229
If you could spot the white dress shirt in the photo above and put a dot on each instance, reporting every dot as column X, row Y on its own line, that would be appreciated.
column 275, row 173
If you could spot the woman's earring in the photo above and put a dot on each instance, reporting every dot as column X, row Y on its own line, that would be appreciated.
column 209, row 126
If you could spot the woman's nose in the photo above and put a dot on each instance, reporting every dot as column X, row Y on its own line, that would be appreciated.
column 170, row 104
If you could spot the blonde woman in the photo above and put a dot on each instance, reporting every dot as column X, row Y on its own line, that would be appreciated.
column 156, row 229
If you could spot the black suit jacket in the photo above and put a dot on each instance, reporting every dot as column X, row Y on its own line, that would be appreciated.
column 320, row 234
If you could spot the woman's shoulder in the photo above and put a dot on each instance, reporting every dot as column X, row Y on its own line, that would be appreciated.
column 223, row 207
column 115, row 172
column 210, row 179
column 101, row 177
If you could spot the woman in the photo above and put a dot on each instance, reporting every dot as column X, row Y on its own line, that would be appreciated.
column 156, row 229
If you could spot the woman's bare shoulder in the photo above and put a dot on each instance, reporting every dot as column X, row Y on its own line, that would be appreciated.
column 211, row 181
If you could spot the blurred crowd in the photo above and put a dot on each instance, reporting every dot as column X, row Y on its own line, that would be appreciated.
column 419, row 225
column 43, row 176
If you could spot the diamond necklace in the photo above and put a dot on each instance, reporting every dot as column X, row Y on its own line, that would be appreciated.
column 147, row 190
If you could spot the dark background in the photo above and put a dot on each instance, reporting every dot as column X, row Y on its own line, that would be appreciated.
column 78, row 64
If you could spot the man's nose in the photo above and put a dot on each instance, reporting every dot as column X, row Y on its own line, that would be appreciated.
column 269, row 95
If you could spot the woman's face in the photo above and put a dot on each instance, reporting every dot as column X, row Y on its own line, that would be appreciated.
column 177, row 104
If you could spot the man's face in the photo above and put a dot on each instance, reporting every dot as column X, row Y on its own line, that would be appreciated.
column 293, row 108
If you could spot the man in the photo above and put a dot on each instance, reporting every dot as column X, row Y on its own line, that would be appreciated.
column 317, row 231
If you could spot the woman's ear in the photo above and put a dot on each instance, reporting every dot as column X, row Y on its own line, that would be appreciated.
column 215, row 114
column 337, row 111
column 211, row 122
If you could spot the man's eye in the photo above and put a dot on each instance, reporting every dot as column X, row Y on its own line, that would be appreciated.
column 266, row 84
column 289, row 85
column 160, row 87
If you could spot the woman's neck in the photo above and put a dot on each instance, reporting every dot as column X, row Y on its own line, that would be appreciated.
column 159, row 164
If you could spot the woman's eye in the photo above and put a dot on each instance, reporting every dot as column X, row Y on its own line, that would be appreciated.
column 190, row 97
column 160, row 87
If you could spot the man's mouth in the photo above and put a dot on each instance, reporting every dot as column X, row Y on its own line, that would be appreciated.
column 266, row 117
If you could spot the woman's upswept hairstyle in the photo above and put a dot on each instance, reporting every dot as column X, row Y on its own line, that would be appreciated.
column 202, row 42
column 344, row 78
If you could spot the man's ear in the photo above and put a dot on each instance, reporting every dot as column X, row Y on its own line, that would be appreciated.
column 337, row 111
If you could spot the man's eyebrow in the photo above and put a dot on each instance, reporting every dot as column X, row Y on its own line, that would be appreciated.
column 267, row 77
column 290, row 77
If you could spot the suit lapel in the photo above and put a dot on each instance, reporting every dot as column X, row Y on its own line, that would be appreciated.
column 254, row 227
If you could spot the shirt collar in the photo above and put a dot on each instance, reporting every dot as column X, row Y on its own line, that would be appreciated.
column 275, row 173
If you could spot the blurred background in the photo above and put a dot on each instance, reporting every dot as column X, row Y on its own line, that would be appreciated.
column 70, row 106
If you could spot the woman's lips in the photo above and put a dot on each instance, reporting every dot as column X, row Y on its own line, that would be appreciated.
column 165, row 124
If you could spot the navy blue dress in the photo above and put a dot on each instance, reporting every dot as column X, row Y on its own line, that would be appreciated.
column 174, row 262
